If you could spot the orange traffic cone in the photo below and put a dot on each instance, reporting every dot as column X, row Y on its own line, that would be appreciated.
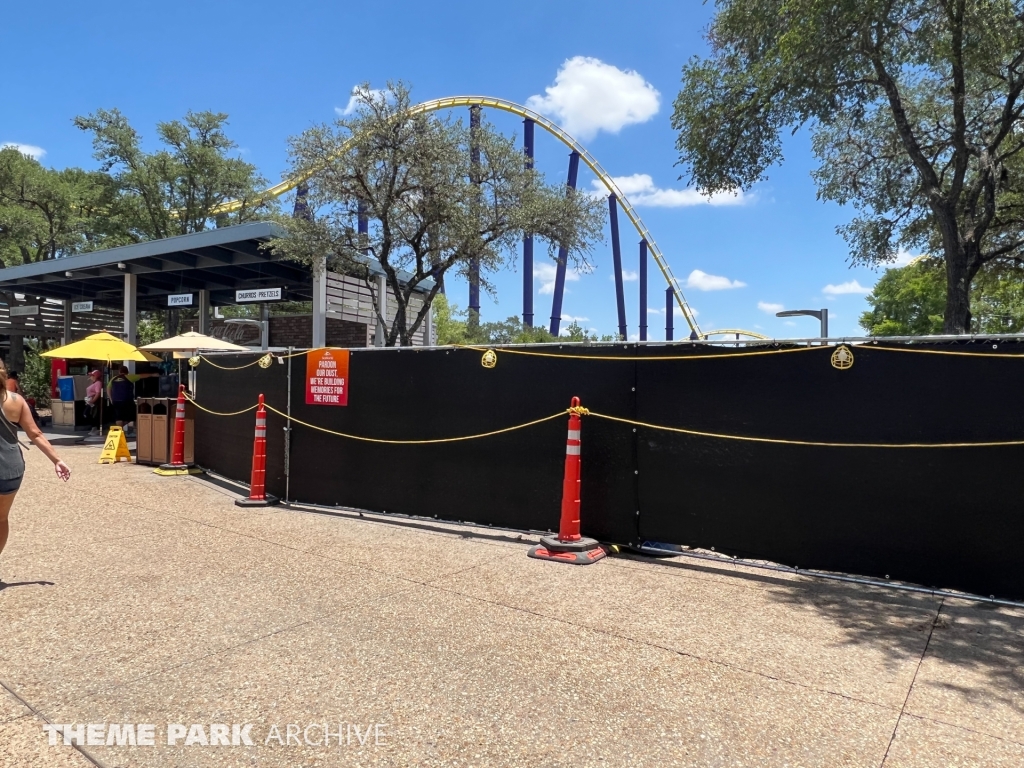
column 257, row 487
column 178, row 465
column 570, row 546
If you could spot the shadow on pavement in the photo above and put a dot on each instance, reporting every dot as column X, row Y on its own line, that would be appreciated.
column 7, row 585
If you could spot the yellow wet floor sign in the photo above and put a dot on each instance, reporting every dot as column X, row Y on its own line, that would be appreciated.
column 115, row 448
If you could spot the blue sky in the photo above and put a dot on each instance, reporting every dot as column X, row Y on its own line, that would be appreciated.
column 606, row 75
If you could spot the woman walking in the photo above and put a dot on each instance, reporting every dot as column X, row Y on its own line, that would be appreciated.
column 14, row 412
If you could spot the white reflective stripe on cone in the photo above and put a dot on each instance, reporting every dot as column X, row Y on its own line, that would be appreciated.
column 572, row 450
column 574, row 434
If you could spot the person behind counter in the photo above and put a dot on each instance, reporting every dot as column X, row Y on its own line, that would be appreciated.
column 93, row 393
column 121, row 394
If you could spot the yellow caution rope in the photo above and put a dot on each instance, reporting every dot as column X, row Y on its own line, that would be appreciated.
column 815, row 443
column 417, row 442
column 217, row 413
column 205, row 359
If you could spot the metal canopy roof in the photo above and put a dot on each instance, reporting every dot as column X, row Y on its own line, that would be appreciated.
column 219, row 260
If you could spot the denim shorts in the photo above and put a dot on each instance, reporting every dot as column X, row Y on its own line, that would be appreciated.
column 10, row 486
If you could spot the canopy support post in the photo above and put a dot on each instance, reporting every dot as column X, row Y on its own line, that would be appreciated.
column 204, row 311
column 131, row 287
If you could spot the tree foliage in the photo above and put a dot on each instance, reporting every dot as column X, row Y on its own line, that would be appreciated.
column 176, row 189
column 433, row 209
column 915, row 107
column 47, row 213
column 451, row 326
column 908, row 301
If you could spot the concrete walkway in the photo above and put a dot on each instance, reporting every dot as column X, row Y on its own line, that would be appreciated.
column 136, row 599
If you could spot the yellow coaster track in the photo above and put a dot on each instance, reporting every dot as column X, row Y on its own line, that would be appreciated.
column 516, row 109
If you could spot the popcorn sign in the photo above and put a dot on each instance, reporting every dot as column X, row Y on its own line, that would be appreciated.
column 327, row 377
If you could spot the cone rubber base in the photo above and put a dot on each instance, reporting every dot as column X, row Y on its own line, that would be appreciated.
column 169, row 470
column 582, row 552
column 266, row 501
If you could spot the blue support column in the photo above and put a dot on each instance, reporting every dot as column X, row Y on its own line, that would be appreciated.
column 643, row 290
column 528, row 239
column 563, row 253
column 620, row 296
column 301, row 208
column 669, row 307
column 474, row 264
column 363, row 224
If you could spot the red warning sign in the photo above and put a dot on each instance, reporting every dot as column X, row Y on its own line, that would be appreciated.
column 327, row 377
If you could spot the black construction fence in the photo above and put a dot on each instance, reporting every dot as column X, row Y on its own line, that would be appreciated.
column 944, row 517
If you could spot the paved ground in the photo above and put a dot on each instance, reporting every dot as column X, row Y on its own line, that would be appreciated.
column 132, row 598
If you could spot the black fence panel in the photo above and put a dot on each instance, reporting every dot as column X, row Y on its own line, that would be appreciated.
column 942, row 517
column 224, row 444
column 513, row 479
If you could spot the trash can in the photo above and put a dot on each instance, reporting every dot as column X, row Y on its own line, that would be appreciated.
column 161, row 421
column 144, row 430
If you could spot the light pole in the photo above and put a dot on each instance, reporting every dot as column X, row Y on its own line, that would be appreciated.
column 821, row 314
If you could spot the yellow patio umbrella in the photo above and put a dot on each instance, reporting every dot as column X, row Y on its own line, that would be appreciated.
column 104, row 347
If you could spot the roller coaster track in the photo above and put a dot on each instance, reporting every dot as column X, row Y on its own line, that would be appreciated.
column 591, row 162
column 731, row 331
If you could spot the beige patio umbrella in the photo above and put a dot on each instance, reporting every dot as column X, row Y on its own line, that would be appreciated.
column 193, row 343
column 190, row 344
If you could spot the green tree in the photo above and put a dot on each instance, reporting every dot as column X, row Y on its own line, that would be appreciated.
column 35, row 378
column 432, row 207
column 180, row 187
column 915, row 110
column 908, row 301
column 451, row 326
column 46, row 213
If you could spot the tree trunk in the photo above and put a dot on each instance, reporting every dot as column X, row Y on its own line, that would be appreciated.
column 959, row 273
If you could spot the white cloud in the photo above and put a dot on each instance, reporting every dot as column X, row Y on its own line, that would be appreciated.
column 851, row 286
column 590, row 96
column 26, row 149
column 640, row 190
column 354, row 98
column 770, row 308
column 545, row 272
column 702, row 281
column 628, row 276
column 574, row 319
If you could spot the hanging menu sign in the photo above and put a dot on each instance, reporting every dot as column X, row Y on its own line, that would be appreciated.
column 258, row 294
column 327, row 377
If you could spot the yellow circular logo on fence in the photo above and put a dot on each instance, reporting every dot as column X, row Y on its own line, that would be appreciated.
column 490, row 359
column 266, row 361
column 842, row 358
column 194, row 361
